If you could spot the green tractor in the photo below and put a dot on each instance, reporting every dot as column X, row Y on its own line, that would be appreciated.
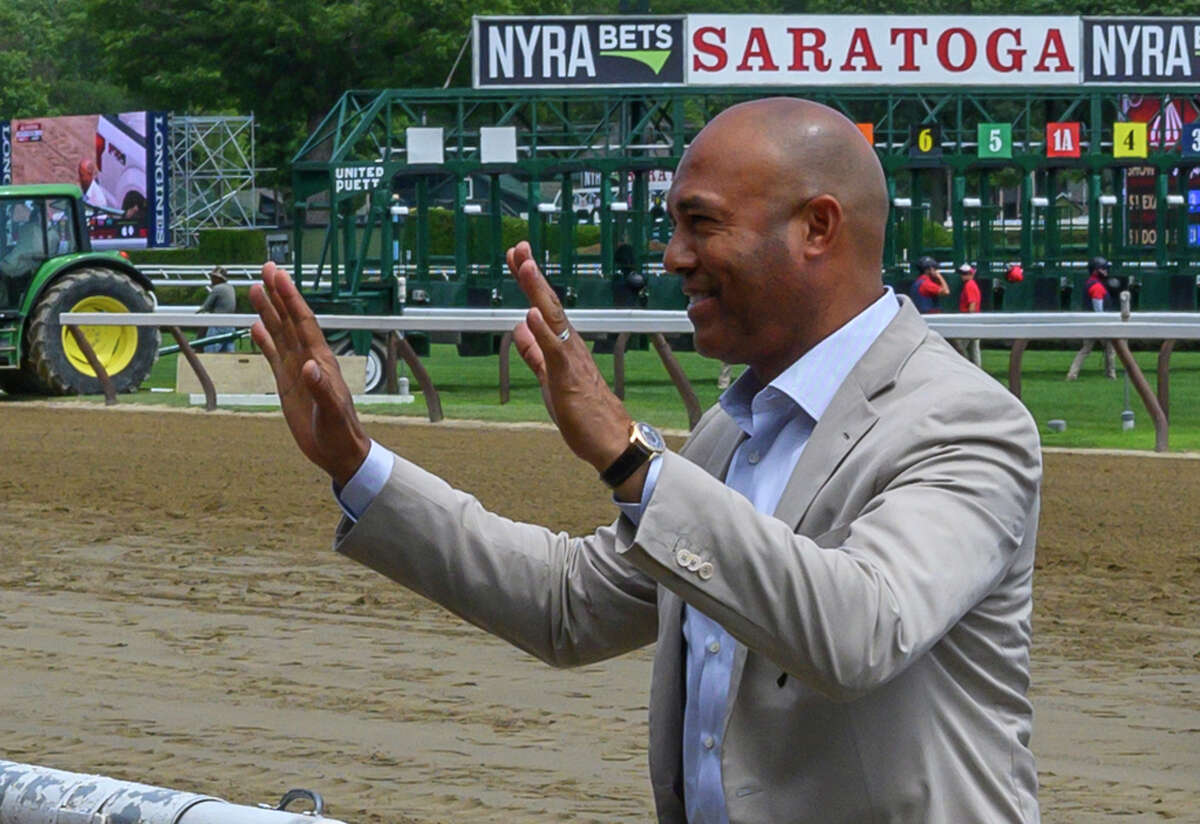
column 47, row 267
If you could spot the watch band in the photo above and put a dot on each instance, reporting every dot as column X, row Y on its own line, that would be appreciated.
column 644, row 443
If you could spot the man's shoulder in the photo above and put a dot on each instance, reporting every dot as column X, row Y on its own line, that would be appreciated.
column 937, row 377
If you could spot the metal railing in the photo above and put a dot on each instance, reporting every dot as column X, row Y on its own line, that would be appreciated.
column 1018, row 328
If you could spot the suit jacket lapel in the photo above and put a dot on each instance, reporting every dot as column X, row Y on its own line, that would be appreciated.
column 850, row 414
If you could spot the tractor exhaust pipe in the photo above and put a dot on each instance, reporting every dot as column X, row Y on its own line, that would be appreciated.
column 31, row 794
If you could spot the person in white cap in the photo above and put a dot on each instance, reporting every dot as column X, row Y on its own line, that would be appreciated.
column 970, row 300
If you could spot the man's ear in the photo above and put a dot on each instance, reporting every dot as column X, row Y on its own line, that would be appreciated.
column 824, row 219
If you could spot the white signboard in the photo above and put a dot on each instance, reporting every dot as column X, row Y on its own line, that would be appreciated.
column 844, row 50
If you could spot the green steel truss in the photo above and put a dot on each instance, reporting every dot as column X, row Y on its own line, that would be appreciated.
column 623, row 134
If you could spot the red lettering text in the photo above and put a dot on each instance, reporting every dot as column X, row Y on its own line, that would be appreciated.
column 969, row 50
column 1015, row 56
column 860, row 49
column 1054, row 49
column 709, row 40
column 757, row 48
column 908, row 36
column 799, row 47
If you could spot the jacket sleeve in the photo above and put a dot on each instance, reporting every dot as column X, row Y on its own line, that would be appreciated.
column 847, row 610
column 568, row 601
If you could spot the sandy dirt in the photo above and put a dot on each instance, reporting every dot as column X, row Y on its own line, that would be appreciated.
column 171, row 612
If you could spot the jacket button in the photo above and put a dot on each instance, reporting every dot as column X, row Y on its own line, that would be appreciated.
column 695, row 562
column 705, row 571
column 683, row 557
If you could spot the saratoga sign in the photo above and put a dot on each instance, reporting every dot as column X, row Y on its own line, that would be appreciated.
column 895, row 50
column 833, row 50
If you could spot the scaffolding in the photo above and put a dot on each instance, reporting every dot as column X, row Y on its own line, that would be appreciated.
column 213, row 175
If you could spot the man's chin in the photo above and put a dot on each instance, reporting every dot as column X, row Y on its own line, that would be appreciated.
column 711, row 349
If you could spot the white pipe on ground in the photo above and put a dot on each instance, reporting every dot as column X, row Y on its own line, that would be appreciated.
column 30, row 794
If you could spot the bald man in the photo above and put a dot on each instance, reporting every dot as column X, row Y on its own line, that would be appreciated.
column 836, row 567
column 89, row 180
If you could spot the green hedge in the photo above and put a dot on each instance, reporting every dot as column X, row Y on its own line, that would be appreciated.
column 216, row 247
column 512, row 230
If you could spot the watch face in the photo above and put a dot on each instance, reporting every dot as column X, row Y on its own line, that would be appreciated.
column 651, row 437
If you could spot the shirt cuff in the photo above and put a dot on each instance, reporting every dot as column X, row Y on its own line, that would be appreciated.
column 633, row 509
column 367, row 482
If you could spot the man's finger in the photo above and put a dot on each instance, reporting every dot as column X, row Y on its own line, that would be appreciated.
column 263, row 306
column 530, row 352
column 549, row 339
column 304, row 321
column 541, row 296
column 263, row 340
column 516, row 255
column 285, row 335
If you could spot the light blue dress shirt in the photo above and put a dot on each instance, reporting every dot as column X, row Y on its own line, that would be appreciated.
column 777, row 420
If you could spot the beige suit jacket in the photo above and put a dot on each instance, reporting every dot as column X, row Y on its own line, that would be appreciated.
column 884, row 608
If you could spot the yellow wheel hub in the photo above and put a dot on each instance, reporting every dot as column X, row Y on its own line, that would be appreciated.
column 114, row 346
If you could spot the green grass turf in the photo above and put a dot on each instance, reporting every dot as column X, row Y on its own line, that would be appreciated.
column 1091, row 406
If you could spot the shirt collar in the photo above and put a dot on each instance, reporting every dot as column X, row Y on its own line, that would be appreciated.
column 812, row 380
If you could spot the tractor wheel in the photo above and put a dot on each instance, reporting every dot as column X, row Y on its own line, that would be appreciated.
column 376, row 358
column 125, row 352
column 20, row 382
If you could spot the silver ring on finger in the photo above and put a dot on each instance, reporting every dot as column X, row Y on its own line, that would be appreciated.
column 565, row 334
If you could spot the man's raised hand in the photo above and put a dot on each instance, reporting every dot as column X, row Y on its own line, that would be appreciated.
column 315, row 400
column 591, row 419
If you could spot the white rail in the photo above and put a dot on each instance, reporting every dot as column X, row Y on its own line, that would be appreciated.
column 1015, row 326
column 241, row 275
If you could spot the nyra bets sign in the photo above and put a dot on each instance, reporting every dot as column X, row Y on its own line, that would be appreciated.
column 843, row 50
column 513, row 52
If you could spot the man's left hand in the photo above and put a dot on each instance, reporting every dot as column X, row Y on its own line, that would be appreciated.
column 591, row 419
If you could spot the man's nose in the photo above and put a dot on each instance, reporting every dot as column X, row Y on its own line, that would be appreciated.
column 679, row 256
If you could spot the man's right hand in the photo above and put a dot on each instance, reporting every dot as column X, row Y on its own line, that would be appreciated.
column 315, row 399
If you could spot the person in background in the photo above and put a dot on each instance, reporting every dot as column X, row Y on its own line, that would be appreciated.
column 1097, row 298
column 835, row 570
column 221, row 300
column 93, row 193
column 929, row 286
column 969, row 301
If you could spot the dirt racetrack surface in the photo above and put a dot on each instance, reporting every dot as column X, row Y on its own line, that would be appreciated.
column 171, row 613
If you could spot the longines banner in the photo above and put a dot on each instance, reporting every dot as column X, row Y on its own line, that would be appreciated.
column 120, row 162
column 833, row 50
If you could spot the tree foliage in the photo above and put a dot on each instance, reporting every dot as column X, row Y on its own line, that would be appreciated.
column 288, row 63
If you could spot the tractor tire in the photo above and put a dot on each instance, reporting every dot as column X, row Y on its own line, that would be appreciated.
column 125, row 352
column 376, row 358
column 20, row 382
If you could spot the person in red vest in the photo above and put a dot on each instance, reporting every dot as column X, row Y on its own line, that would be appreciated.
column 928, row 287
column 1096, row 297
column 970, row 300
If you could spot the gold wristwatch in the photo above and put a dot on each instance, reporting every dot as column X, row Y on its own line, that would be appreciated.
column 644, row 443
